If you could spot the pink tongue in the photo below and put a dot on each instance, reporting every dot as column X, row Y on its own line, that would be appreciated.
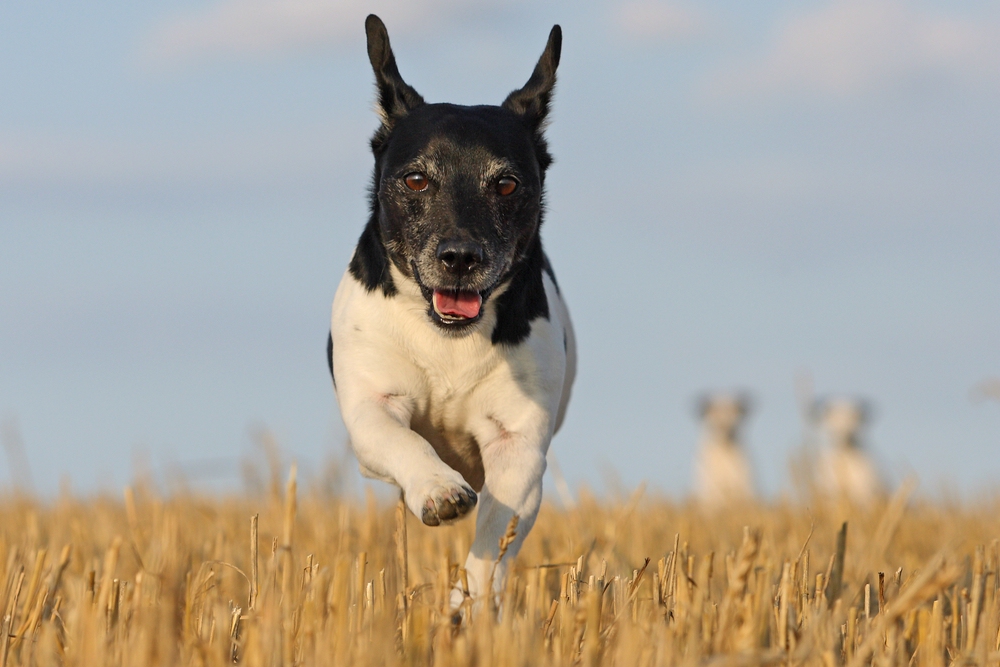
column 458, row 304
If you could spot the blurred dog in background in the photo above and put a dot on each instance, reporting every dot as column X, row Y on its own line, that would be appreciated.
column 722, row 471
column 845, row 469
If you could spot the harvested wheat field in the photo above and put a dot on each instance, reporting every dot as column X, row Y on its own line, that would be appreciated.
column 298, row 577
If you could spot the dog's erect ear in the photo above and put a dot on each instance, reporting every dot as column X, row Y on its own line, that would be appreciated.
column 701, row 405
column 532, row 100
column 395, row 97
column 745, row 403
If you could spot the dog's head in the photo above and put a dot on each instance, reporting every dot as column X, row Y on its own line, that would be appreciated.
column 457, row 190
column 724, row 413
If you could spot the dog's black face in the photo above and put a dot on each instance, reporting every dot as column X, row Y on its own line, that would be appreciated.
column 459, row 195
column 457, row 190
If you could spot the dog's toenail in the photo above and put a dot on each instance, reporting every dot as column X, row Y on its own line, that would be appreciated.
column 448, row 511
column 430, row 517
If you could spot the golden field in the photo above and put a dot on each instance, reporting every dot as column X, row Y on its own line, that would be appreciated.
column 304, row 577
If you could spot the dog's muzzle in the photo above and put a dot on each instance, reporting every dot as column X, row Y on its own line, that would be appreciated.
column 452, row 308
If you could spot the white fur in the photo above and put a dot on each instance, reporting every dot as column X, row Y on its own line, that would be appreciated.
column 722, row 475
column 412, row 394
column 848, row 474
column 845, row 470
column 722, row 471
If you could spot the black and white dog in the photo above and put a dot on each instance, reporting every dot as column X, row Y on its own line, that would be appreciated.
column 451, row 350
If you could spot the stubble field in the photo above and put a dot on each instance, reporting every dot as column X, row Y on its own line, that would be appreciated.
column 302, row 577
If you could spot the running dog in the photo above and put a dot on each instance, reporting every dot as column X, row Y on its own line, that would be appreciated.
column 451, row 350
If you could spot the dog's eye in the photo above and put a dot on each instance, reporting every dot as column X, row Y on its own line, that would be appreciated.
column 506, row 186
column 416, row 181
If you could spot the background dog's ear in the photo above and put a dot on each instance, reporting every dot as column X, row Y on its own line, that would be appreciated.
column 532, row 100
column 701, row 405
column 745, row 401
column 395, row 97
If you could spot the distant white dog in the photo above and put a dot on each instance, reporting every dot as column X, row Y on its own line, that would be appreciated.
column 845, row 470
column 722, row 472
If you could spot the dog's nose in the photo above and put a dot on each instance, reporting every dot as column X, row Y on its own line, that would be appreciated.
column 460, row 257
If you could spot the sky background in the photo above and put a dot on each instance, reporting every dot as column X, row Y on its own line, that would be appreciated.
column 744, row 194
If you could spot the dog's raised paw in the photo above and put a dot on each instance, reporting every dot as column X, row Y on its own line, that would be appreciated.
column 446, row 503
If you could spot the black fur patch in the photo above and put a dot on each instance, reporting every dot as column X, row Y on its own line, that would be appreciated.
column 547, row 267
column 329, row 357
column 370, row 263
column 524, row 299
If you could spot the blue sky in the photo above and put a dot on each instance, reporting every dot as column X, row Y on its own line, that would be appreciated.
column 744, row 193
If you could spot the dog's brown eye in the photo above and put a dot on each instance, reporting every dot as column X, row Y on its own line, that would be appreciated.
column 416, row 181
column 506, row 186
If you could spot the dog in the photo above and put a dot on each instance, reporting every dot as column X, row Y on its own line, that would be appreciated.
column 845, row 471
column 722, row 473
column 451, row 348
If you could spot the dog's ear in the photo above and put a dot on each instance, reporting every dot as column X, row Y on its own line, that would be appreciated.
column 701, row 405
column 395, row 97
column 745, row 402
column 532, row 100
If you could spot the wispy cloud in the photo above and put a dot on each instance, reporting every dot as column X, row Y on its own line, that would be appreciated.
column 660, row 19
column 254, row 28
column 851, row 46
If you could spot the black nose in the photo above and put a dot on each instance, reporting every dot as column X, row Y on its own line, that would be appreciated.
column 460, row 257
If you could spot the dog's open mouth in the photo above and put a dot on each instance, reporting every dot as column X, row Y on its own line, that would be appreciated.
column 454, row 306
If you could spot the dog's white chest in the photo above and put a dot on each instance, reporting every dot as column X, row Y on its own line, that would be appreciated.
column 448, row 405
column 457, row 392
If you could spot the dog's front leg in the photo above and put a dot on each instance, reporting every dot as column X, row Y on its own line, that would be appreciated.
column 388, row 449
column 514, row 466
